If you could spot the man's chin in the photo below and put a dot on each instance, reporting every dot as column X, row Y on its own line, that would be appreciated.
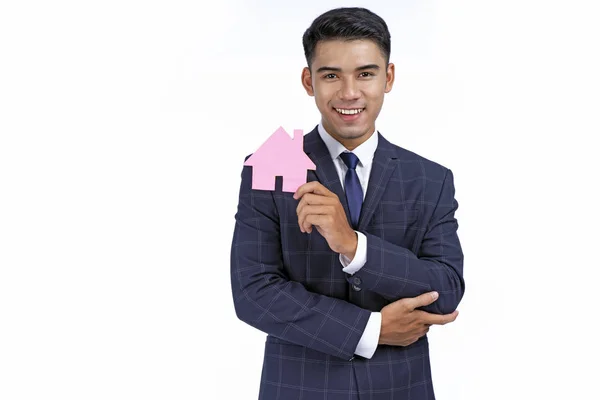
column 351, row 136
column 352, row 133
column 346, row 131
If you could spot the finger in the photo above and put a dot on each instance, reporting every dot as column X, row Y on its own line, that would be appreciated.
column 316, row 210
column 436, row 319
column 423, row 300
column 310, row 199
column 313, row 210
column 313, row 187
column 316, row 220
column 305, row 223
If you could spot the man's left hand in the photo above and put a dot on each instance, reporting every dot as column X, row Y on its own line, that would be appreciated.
column 320, row 207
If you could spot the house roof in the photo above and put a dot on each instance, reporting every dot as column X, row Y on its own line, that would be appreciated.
column 282, row 155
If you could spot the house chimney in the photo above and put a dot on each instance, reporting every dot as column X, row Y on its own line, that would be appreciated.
column 298, row 139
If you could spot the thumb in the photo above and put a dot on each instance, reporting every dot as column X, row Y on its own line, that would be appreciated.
column 424, row 300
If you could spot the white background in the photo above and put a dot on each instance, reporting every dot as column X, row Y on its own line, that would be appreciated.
column 124, row 126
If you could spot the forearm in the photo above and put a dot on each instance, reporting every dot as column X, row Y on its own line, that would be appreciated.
column 395, row 272
column 285, row 309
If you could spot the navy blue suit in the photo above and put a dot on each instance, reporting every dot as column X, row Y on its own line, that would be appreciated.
column 291, row 286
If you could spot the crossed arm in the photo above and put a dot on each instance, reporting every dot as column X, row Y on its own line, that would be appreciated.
column 265, row 298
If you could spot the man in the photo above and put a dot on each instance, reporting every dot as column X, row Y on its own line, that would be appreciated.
column 347, row 274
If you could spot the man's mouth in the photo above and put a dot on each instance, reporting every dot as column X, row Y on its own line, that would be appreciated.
column 349, row 111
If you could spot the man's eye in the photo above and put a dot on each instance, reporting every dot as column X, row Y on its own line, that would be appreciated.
column 366, row 74
column 329, row 76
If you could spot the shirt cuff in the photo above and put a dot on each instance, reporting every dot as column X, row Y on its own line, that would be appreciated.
column 370, row 338
column 360, row 257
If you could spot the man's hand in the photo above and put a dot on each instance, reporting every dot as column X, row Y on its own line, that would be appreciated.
column 320, row 207
column 402, row 324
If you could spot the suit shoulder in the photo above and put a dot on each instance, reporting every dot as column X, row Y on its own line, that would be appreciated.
column 432, row 167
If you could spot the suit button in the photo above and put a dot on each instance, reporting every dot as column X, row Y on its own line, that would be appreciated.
column 356, row 280
column 356, row 288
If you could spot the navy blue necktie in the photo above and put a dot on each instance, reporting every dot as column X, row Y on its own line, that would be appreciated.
column 354, row 193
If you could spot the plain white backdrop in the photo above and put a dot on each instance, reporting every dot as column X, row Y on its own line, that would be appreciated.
column 123, row 129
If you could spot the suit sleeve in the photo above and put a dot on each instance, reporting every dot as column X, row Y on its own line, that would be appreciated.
column 395, row 272
column 264, row 296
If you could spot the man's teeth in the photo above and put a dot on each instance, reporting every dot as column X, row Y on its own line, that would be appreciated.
column 349, row 112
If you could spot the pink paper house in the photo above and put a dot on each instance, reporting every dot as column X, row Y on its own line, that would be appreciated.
column 280, row 156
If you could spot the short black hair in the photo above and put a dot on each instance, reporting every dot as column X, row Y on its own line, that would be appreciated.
column 347, row 23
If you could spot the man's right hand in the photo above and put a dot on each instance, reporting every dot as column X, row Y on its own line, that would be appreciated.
column 402, row 324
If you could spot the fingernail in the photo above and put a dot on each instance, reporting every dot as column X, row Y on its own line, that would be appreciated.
column 435, row 295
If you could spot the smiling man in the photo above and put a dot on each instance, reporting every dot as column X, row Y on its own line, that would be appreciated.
column 347, row 275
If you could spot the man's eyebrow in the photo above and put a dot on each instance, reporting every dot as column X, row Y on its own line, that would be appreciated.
column 338, row 69
column 368, row 66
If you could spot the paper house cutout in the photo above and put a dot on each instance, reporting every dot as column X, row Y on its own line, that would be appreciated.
column 281, row 156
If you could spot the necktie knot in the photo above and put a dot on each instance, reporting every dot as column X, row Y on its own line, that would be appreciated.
column 350, row 160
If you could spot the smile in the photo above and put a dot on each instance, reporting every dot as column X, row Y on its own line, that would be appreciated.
column 351, row 111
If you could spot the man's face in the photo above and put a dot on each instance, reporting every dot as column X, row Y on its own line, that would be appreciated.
column 348, row 80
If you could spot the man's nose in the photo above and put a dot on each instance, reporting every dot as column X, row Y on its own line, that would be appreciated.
column 349, row 90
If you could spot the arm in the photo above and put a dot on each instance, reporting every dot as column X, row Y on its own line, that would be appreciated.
column 266, row 299
column 395, row 272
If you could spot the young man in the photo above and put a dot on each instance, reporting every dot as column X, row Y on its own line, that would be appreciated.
column 347, row 274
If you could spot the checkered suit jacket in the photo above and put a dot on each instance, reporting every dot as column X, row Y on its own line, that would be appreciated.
column 291, row 286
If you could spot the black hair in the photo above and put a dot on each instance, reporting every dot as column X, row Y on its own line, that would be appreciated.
column 347, row 23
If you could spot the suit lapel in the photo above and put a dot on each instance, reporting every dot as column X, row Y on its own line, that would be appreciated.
column 325, row 173
column 384, row 163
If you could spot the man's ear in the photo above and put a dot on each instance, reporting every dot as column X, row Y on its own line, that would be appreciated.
column 389, row 77
column 307, row 81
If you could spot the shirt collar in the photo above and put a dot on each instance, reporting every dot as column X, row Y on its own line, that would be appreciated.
column 365, row 151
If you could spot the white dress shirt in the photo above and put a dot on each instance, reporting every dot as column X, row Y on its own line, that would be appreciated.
column 368, row 342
